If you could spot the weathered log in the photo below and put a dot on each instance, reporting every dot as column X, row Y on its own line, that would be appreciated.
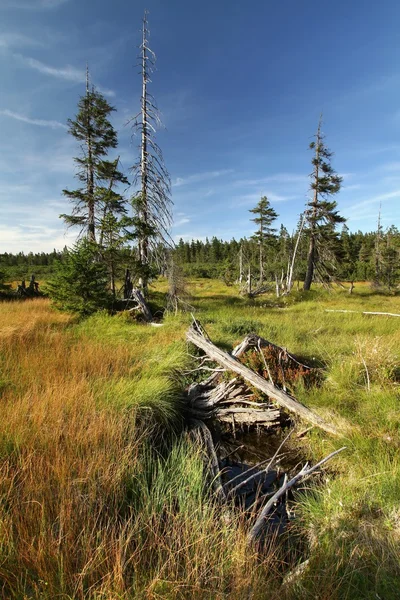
column 305, row 472
column 282, row 398
column 248, row 416
column 364, row 312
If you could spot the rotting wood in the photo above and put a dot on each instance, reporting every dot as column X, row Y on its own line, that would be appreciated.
column 282, row 398
column 257, row 528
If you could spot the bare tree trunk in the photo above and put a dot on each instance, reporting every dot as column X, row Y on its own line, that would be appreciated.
column 261, row 263
column 241, row 264
column 290, row 276
column 277, row 286
column 249, row 281
column 143, row 242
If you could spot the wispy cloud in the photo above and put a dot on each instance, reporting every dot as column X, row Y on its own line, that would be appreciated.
column 67, row 73
column 374, row 200
column 285, row 178
column 15, row 40
column 181, row 221
column 32, row 4
column 200, row 177
column 39, row 122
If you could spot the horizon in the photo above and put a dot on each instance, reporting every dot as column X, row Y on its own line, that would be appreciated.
column 238, row 123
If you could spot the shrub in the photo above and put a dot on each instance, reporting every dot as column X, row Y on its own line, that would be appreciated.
column 80, row 281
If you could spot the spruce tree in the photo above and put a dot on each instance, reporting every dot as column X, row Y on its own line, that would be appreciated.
column 80, row 283
column 266, row 215
column 322, row 216
column 93, row 130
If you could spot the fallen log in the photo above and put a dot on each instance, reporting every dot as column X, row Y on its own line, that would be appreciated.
column 248, row 416
column 363, row 312
column 281, row 397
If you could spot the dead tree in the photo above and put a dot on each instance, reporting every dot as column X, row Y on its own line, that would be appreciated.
column 293, row 261
column 152, row 204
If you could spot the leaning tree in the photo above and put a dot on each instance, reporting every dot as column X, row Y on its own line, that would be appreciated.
column 152, row 203
column 321, row 214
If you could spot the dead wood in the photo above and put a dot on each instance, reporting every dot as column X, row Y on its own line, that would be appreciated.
column 230, row 362
column 364, row 312
column 141, row 304
column 305, row 472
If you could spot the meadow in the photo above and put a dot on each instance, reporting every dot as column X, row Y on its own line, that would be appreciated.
column 103, row 496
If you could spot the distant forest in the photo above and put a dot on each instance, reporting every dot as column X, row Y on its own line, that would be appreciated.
column 372, row 256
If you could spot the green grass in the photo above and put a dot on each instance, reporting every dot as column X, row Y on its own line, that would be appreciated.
column 96, row 501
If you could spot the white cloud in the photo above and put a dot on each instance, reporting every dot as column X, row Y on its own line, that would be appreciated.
column 33, row 239
column 181, row 221
column 13, row 40
column 374, row 200
column 200, row 177
column 67, row 73
column 39, row 122
column 32, row 4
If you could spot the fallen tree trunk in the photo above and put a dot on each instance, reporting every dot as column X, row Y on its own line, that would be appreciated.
column 364, row 312
column 231, row 363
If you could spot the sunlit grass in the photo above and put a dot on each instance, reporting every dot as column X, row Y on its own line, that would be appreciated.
column 92, row 506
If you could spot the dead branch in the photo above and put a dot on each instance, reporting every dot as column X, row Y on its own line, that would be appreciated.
column 305, row 472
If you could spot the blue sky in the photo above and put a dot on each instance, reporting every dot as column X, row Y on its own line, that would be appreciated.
column 240, row 87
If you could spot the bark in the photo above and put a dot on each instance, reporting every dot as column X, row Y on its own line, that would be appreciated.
column 290, row 276
column 282, row 398
column 141, row 304
column 143, row 242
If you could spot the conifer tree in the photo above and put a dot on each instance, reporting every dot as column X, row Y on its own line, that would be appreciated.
column 80, row 283
column 266, row 215
column 322, row 216
column 92, row 128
